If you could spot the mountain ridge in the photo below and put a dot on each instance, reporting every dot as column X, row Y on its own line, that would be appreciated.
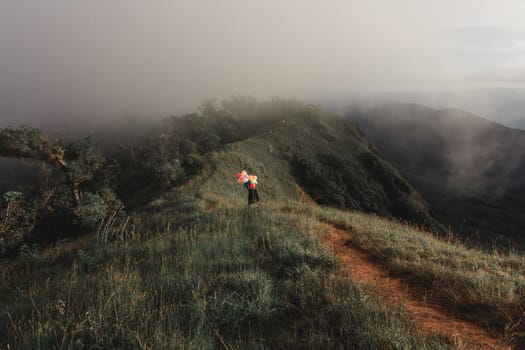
column 326, row 156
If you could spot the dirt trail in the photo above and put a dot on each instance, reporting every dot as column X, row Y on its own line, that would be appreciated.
column 431, row 317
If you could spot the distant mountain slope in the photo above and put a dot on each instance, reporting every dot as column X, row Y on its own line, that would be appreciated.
column 468, row 168
column 504, row 105
column 325, row 156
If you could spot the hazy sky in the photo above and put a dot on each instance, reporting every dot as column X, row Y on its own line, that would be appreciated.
column 103, row 58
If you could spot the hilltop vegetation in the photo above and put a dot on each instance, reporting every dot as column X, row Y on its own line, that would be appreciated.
column 72, row 195
column 79, row 187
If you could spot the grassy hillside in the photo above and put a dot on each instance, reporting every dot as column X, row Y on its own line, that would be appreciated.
column 185, row 277
column 196, row 268
column 468, row 168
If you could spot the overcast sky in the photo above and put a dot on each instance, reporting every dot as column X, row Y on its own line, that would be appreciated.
column 108, row 58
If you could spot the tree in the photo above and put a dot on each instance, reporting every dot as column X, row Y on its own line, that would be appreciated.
column 80, row 197
column 78, row 161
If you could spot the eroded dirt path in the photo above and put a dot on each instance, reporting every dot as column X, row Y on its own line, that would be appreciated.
column 431, row 317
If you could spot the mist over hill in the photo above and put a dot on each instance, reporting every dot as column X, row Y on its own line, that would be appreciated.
column 468, row 168
column 505, row 106
column 285, row 142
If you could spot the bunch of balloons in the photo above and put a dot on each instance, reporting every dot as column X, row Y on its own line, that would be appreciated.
column 249, row 181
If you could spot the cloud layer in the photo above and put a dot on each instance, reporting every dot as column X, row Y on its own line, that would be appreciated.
column 96, row 59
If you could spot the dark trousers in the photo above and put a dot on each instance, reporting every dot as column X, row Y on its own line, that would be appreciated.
column 253, row 196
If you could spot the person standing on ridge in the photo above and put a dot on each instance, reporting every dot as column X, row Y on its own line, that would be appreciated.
column 253, row 196
column 249, row 182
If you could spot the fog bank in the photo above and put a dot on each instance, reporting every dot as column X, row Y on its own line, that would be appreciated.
column 64, row 61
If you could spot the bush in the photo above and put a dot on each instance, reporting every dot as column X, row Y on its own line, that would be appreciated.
column 91, row 210
column 17, row 219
